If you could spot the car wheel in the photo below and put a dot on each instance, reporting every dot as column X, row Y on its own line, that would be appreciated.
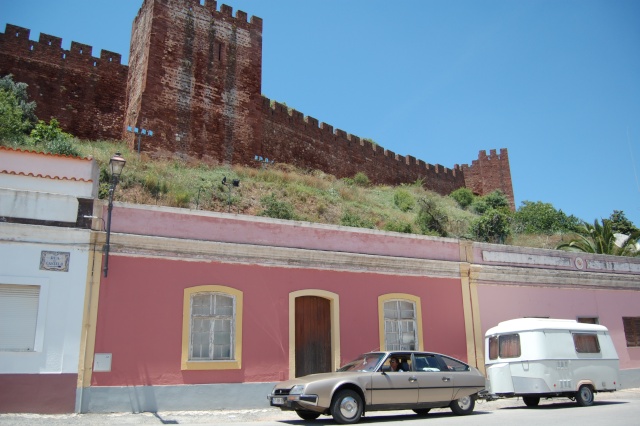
column 531, row 401
column 422, row 411
column 584, row 397
column 346, row 407
column 463, row 406
column 307, row 415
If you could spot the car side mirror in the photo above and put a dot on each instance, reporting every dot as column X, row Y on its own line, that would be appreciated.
column 385, row 369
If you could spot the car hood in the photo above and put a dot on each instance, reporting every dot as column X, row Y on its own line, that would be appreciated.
column 335, row 376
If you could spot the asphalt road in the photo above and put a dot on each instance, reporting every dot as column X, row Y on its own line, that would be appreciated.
column 621, row 408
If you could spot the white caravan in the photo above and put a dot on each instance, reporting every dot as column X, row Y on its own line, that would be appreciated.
column 541, row 358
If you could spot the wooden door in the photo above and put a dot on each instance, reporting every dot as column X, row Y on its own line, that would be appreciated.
column 313, row 335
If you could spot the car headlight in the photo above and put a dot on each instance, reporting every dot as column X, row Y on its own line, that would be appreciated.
column 297, row 390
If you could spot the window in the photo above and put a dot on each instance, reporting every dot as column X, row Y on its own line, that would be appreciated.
column 632, row 331
column 18, row 317
column 400, row 322
column 504, row 346
column 586, row 343
column 454, row 364
column 400, row 325
column 212, row 328
column 588, row 320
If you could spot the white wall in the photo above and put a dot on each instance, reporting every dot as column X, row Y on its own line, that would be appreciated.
column 61, row 303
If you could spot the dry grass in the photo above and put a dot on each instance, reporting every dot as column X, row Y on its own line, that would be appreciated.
column 167, row 180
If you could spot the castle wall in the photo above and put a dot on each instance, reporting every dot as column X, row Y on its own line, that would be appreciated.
column 195, row 79
column 84, row 93
column 290, row 137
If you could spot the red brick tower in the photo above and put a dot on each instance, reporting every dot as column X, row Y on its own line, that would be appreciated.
column 488, row 173
column 195, row 80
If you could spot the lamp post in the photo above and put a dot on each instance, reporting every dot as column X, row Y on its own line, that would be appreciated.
column 116, row 164
column 234, row 182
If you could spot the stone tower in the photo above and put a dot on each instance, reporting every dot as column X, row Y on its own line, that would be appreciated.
column 195, row 80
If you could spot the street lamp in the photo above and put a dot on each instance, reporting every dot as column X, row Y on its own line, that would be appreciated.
column 234, row 182
column 116, row 164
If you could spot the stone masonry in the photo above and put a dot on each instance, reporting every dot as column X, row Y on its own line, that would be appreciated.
column 194, row 79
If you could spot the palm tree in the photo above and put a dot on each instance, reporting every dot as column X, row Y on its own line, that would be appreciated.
column 600, row 238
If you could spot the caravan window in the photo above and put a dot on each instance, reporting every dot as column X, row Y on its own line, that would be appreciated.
column 586, row 343
column 505, row 346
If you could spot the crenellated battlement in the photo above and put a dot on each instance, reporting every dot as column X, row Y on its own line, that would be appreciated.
column 241, row 19
column 295, row 120
column 49, row 48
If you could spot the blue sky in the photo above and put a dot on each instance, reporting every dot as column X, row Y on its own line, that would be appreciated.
column 556, row 82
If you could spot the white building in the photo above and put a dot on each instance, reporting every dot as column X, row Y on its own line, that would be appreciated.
column 45, row 245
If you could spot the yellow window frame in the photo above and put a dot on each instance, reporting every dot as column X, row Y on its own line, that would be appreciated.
column 234, row 364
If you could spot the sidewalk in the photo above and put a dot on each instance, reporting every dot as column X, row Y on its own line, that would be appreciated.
column 267, row 415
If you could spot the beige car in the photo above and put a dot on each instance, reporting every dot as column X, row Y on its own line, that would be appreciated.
column 376, row 381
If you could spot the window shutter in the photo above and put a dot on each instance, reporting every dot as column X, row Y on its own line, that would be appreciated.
column 18, row 317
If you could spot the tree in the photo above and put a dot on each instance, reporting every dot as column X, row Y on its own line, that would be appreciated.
column 494, row 200
column 497, row 200
column 600, row 238
column 492, row 227
column 542, row 218
column 17, row 114
column 620, row 223
column 431, row 218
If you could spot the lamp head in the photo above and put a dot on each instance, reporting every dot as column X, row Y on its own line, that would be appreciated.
column 117, row 164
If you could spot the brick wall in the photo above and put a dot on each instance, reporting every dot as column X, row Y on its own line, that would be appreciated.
column 194, row 79
column 488, row 173
column 290, row 137
column 84, row 93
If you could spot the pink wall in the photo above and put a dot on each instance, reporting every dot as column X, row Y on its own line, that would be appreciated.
column 500, row 303
column 140, row 316
column 278, row 233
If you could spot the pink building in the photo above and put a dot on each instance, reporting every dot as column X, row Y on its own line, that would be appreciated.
column 206, row 310
column 296, row 298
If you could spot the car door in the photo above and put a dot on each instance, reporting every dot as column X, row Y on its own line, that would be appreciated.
column 464, row 381
column 393, row 387
column 435, row 383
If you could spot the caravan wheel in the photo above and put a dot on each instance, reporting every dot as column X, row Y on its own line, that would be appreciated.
column 584, row 397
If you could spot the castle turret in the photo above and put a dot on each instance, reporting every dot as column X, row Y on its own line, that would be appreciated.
column 195, row 80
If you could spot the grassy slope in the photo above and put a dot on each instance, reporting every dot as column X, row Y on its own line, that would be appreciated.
column 313, row 195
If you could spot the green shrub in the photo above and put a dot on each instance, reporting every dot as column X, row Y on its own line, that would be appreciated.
column 154, row 185
column 44, row 132
column 276, row 209
column 182, row 199
column 497, row 200
column 479, row 206
column 539, row 218
column 404, row 200
column 492, row 227
column 463, row 196
column 17, row 114
column 352, row 219
column 399, row 226
column 62, row 146
column 361, row 179
column 432, row 218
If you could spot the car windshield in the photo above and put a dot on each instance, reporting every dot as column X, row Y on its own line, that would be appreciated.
column 365, row 362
